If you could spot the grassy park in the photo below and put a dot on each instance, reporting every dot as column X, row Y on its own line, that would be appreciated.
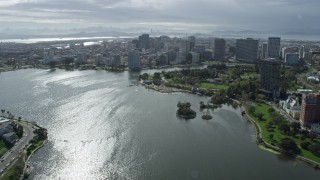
column 213, row 86
column 274, row 129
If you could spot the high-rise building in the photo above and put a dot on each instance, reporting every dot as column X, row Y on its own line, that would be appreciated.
column 264, row 51
column 163, row 60
column 134, row 60
column 192, row 41
column 116, row 60
column 47, row 57
column 310, row 109
column 219, row 49
column 247, row 49
column 195, row 57
column 180, row 57
column 81, row 58
column 286, row 50
column 99, row 59
column 184, row 46
column 144, row 41
column 274, row 47
column 301, row 52
column 270, row 77
column 291, row 59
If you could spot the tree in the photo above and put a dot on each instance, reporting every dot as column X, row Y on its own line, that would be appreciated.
column 202, row 106
column 285, row 128
column 252, row 109
column 315, row 149
column 305, row 145
column 312, row 136
column 288, row 146
column 270, row 110
column 295, row 126
column 271, row 136
column 259, row 116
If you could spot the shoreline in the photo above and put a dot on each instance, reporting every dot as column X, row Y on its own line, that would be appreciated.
column 24, row 153
column 165, row 89
column 262, row 144
column 26, row 165
column 273, row 149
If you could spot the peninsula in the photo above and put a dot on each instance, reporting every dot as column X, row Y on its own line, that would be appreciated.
column 19, row 141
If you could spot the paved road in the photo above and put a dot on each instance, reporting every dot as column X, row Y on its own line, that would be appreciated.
column 282, row 112
column 17, row 149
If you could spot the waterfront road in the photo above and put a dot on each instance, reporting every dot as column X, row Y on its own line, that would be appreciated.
column 16, row 151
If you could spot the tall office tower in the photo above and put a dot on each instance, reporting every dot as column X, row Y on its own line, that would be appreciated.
column 264, row 51
column 310, row 109
column 180, row 57
column 117, row 60
column 219, row 49
column 184, row 46
column 274, row 47
column 99, row 59
column 144, row 41
column 270, row 70
column 301, row 52
column 81, row 58
column 163, row 60
column 47, row 57
column 195, row 57
column 247, row 49
column 134, row 60
column 192, row 41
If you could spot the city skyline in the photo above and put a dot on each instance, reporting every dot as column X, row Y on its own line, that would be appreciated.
column 177, row 16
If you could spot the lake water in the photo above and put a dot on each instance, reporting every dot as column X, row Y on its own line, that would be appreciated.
column 101, row 128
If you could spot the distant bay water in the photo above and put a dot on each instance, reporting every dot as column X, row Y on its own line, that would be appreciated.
column 38, row 40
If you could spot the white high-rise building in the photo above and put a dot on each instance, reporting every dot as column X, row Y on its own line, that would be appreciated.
column 274, row 47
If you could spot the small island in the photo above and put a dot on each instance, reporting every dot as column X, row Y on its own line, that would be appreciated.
column 206, row 117
column 184, row 111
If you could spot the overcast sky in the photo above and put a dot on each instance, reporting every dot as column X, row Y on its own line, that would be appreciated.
column 195, row 15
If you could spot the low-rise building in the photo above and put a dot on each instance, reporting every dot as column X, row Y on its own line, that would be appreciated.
column 6, row 126
column 315, row 128
column 292, row 107
column 10, row 138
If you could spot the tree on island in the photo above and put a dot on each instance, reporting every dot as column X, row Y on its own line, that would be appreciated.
column 184, row 111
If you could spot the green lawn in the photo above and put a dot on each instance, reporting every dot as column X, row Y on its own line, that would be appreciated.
column 150, row 77
column 247, row 75
column 293, row 86
column 278, row 135
column 213, row 86
column 15, row 171
column 3, row 148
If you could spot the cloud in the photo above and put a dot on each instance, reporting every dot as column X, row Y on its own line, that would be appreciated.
column 185, row 14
